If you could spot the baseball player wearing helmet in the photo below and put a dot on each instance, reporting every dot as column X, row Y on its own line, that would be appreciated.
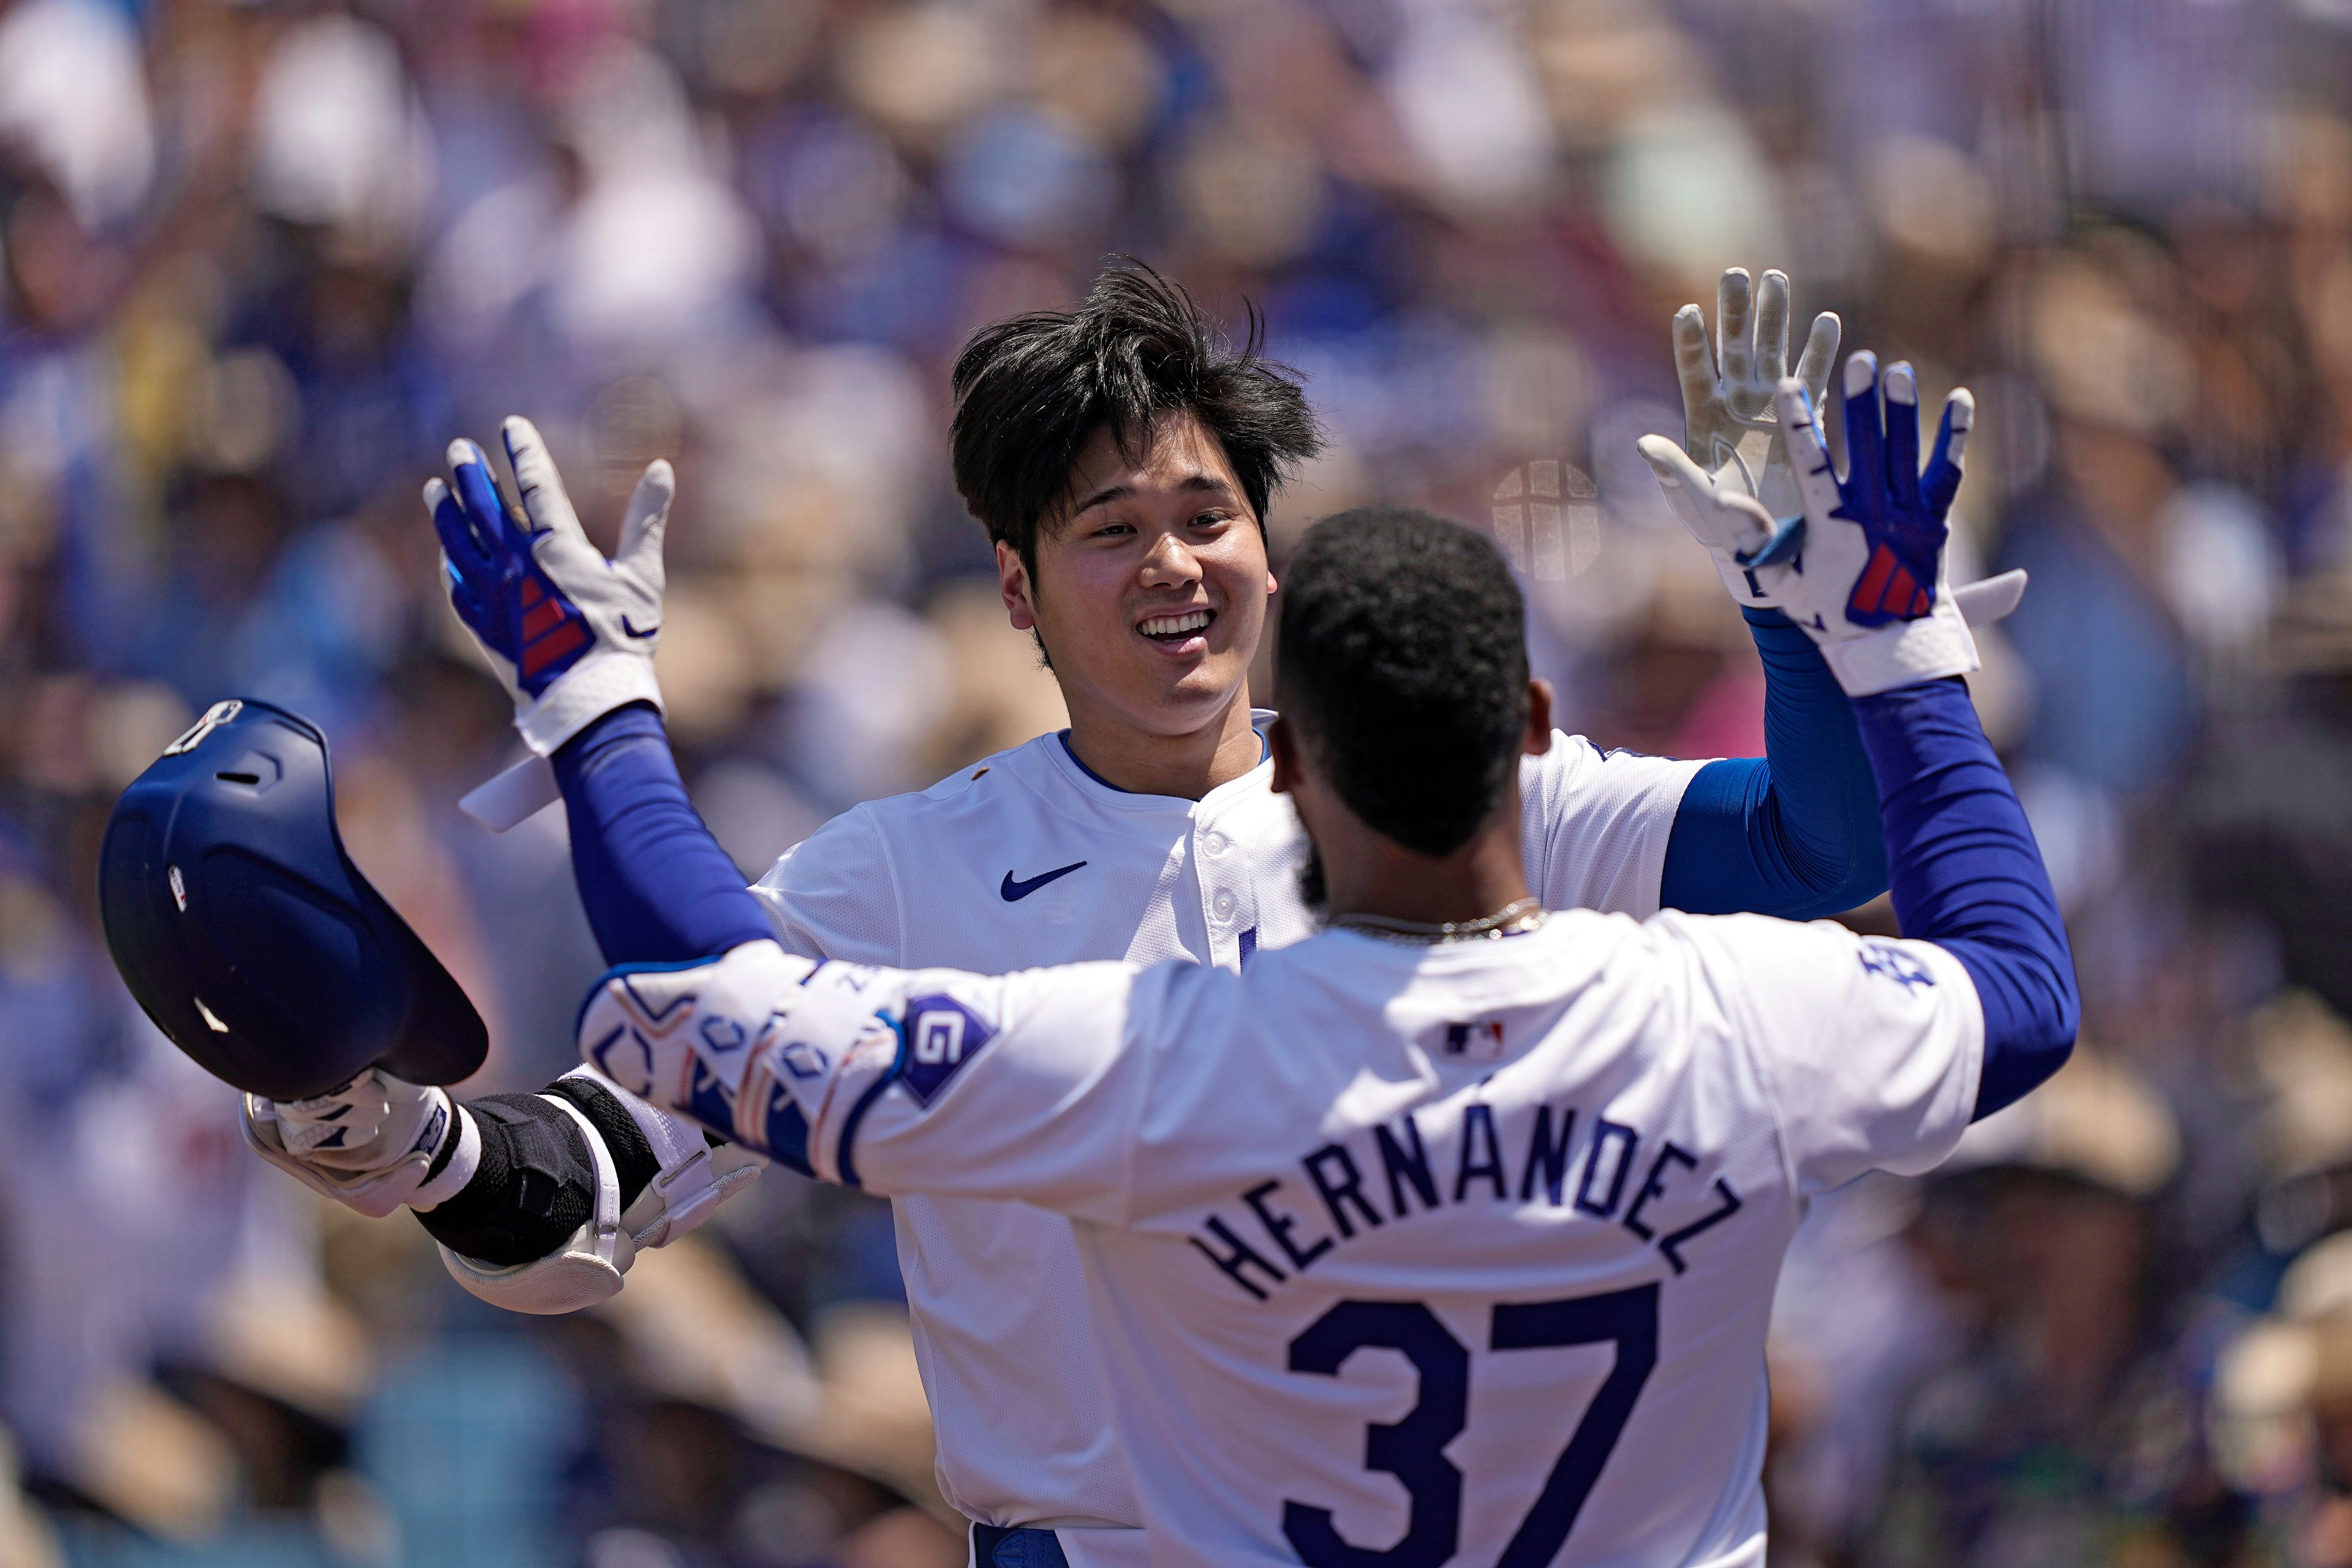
column 1122, row 460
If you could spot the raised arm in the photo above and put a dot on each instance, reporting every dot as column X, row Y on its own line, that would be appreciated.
column 792, row 1056
column 1862, row 573
column 572, row 636
column 539, row 1201
column 1969, row 877
column 1792, row 833
column 1796, row 832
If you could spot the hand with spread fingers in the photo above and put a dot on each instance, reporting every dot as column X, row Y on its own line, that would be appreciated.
column 569, row 633
column 1866, row 576
column 1727, row 411
column 1861, row 570
column 1730, row 422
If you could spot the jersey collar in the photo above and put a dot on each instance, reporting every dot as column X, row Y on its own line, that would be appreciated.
column 1060, row 751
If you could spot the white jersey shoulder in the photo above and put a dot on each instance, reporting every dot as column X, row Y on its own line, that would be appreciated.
column 1555, row 1176
column 1596, row 825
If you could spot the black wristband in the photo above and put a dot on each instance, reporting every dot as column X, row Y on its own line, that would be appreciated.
column 535, row 1186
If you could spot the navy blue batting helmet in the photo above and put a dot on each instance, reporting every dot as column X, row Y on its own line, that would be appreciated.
column 248, row 934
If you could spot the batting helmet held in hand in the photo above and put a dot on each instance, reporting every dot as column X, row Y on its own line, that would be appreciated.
column 248, row 934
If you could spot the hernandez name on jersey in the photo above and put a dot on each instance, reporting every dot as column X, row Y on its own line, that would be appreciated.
column 1028, row 859
column 1398, row 1254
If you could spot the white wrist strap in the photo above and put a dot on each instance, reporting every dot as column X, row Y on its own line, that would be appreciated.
column 605, row 1224
column 464, row 1161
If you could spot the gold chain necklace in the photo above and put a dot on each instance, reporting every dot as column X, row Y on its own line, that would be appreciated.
column 1520, row 915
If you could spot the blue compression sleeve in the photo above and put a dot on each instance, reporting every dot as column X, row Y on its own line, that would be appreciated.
column 1795, row 832
column 1968, row 878
column 658, row 888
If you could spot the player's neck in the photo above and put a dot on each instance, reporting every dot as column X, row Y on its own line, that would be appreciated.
column 1188, row 766
column 1366, row 874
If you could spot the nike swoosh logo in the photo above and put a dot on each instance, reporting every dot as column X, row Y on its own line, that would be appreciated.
column 1015, row 891
column 628, row 630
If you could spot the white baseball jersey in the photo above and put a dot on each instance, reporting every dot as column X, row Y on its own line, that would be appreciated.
column 1028, row 859
column 1420, row 1255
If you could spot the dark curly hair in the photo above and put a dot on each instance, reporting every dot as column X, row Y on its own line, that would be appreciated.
column 1403, row 660
column 1031, row 390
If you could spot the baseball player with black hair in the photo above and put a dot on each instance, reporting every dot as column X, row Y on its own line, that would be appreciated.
column 1122, row 459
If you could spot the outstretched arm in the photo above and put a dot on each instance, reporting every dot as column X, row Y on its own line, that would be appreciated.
column 655, row 885
column 1012, row 1086
column 1862, row 573
column 1795, row 832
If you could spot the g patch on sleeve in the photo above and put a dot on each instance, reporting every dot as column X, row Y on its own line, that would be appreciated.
column 942, row 1035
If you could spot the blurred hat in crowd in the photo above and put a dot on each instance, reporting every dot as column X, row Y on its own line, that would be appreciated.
column 697, row 1332
column 2293, row 1365
column 73, row 99
column 1933, row 204
column 281, row 1335
column 2098, row 1121
column 2284, row 1370
column 339, row 139
column 920, row 71
column 2301, row 1050
column 151, row 1461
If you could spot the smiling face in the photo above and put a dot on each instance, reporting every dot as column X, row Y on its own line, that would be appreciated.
column 1150, row 586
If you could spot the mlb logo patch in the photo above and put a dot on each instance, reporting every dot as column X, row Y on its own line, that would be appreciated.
column 1479, row 1041
column 942, row 1035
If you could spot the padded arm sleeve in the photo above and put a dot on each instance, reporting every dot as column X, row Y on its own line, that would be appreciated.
column 1968, row 878
column 1794, row 833
column 536, row 1182
column 568, row 1185
column 658, row 888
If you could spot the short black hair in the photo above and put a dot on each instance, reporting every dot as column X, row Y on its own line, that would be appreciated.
column 1031, row 390
column 1403, row 660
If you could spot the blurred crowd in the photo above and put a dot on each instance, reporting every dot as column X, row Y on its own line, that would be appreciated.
column 259, row 261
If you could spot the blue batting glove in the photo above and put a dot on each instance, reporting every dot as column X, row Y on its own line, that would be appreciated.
column 569, row 634
column 1863, row 570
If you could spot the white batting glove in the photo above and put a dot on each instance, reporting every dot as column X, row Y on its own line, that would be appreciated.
column 569, row 633
column 370, row 1144
column 1729, row 423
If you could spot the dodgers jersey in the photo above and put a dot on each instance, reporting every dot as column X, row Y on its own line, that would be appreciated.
column 1416, row 1255
column 1028, row 859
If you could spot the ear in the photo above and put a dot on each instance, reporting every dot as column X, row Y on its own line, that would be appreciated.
column 1539, row 736
column 1013, row 583
column 1284, row 744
